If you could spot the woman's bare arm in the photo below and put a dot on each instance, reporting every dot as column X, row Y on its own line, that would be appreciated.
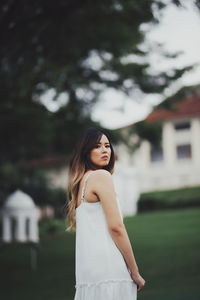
column 103, row 187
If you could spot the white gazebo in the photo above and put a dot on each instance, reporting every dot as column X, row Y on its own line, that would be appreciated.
column 20, row 219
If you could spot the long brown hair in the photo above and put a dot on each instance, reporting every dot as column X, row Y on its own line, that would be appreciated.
column 81, row 163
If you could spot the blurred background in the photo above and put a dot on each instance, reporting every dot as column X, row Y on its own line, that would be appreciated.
column 133, row 68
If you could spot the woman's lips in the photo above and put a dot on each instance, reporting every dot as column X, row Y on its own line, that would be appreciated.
column 104, row 157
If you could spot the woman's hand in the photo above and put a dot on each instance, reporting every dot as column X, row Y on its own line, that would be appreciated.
column 137, row 278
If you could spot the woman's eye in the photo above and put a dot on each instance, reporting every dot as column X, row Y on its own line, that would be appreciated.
column 99, row 146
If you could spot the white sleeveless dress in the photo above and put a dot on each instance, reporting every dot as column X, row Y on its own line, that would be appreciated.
column 101, row 271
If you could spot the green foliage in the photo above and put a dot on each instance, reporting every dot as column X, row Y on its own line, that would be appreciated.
column 132, row 136
column 74, row 47
column 177, row 198
column 34, row 182
column 68, row 123
column 51, row 227
column 25, row 130
column 181, row 94
column 151, row 132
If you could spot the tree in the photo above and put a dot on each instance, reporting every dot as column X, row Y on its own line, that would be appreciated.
column 75, row 47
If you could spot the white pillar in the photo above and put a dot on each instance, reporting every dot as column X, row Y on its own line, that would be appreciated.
column 145, row 150
column 169, row 150
column 6, row 236
column 195, row 141
column 21, row 228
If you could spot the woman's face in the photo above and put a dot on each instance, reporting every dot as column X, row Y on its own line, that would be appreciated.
column 100, row 155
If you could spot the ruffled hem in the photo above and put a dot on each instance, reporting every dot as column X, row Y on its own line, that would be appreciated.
column 89, row 284
column 107, row 289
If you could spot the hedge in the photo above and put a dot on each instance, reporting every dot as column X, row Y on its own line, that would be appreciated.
column 169, row 199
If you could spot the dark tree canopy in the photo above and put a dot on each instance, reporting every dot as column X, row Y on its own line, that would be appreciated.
column 47, row 44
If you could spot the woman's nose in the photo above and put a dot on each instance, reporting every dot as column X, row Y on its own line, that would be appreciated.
column 104, row 149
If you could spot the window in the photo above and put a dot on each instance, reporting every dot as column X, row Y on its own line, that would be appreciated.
column 156, row 154
column 182, row 125
column 184, row 151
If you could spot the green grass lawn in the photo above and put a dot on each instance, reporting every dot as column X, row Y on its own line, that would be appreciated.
column 166, row 245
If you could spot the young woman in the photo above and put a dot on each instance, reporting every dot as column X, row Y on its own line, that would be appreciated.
column 105, row 265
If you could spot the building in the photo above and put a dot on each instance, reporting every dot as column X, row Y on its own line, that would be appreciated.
column 177, row 162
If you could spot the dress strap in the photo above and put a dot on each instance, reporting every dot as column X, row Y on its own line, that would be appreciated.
column 84, row 187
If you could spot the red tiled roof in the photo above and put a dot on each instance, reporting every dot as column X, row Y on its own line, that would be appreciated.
column 190, row 107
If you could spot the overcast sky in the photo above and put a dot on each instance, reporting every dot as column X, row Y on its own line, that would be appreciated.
column 179, row 31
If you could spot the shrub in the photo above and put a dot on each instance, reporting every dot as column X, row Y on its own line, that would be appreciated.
column 177, row 198
column 52, row 227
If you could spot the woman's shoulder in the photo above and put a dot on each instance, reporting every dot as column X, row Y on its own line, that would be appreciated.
column 101, row 181
column 100, row 174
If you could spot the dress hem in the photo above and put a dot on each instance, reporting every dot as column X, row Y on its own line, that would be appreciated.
column 90, row 284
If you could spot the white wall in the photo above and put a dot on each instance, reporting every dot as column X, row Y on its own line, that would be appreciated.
column 171, row 172
column 126, row 186
column 58, row 177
